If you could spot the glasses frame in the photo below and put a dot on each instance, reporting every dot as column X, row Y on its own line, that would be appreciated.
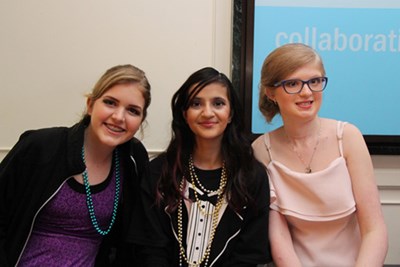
column 282, row 83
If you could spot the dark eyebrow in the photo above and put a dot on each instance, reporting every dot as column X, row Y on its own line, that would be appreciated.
column 221, row 98
column 112, row 98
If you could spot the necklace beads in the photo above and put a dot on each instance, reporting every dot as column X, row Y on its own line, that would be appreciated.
column 195, row 179
column 193, row 176
column 215, row 215
column 89, row 200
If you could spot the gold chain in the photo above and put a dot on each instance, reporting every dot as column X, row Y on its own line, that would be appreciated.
column 215, row 215
column 220, row 189
column 193, row 176
column 308, row 166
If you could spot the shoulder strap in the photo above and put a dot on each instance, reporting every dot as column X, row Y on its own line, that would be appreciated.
column 339, row 133
column 267, row 144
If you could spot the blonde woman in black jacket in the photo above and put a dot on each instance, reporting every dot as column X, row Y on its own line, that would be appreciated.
column 68, row 194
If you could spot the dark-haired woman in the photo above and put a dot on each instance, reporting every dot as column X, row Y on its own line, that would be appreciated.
column 206, row 203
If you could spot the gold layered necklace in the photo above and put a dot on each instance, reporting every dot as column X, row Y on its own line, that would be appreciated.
column 193, row 176
column 307, row 166
column 215, row 214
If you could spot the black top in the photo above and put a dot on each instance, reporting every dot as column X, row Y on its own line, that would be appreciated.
column 34, row 169
column 240, row 239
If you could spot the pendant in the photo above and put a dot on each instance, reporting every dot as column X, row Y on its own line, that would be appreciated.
column 308, row 170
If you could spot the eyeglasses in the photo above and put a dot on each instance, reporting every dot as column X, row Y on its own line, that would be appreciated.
column 294, row 86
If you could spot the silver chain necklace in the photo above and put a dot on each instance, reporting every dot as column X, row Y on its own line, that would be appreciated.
column 307, row 166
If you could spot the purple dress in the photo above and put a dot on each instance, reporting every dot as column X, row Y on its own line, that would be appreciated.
column 63, row 234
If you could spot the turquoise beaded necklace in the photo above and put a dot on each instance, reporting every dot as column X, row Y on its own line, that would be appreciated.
column 89, row 200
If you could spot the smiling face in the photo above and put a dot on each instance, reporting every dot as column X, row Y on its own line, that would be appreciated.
column 116, row 115
column 305, row 104
column 209, row 113
column 279, row 65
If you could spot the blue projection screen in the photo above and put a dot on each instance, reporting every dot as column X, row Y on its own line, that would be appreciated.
column 359, row 42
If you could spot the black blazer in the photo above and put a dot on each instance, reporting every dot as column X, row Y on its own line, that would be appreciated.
column 240, row 239
column 40, row 162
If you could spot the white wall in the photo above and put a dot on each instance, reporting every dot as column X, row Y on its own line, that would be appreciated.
column 52, row 53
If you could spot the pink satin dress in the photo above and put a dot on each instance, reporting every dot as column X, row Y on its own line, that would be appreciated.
column 319, row 208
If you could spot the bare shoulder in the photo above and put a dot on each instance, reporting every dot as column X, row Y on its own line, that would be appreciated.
column 351, row 132
column 353, row 141
column 258, row 141
column 260, row 148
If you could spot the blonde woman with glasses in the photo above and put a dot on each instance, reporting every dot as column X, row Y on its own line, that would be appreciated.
column 325, row 208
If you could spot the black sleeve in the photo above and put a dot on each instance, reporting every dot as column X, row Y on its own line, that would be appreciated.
column 10, row 174
column 8, row 170
column 252, row 247
column 117, row 248
column 152, row 234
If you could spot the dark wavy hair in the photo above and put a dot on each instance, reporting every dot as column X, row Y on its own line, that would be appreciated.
column 236, row 146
